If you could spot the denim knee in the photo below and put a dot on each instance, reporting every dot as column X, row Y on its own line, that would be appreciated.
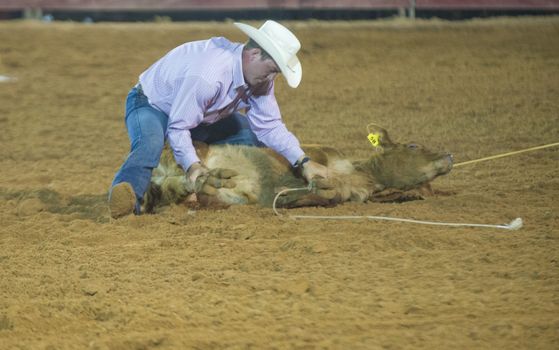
column 150, row 148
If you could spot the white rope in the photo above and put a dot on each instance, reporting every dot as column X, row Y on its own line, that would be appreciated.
column 513, row 225
column 507, row 154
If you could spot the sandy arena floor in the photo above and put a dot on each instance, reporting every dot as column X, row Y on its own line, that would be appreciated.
column 244, row 279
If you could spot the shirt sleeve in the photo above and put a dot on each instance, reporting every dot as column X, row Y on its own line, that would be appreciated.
column 187, row 111
column 265, row 121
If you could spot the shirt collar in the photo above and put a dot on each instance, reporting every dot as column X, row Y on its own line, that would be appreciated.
column 238, row 77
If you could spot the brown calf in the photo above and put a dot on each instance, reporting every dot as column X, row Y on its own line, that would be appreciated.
column 390, row 171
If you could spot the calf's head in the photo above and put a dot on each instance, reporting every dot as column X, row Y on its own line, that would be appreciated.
column 404, row 166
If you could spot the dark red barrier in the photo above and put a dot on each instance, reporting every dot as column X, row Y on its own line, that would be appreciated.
column 114, row 5
column 201, row 4
column 487, row 4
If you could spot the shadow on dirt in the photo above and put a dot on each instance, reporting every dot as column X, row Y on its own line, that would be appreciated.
column 87, row 206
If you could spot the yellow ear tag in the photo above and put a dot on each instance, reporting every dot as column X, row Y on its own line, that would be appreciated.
column 374, row 139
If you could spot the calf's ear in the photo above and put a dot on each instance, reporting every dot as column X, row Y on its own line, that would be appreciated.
column 379, row 139
column 378, row 136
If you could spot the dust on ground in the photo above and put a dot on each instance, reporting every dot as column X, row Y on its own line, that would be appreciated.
column 243, row 278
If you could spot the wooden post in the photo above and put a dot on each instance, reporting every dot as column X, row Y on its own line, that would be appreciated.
column 411, row 10
column 33, row 13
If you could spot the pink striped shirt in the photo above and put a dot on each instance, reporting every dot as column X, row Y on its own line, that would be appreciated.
column 196, row 81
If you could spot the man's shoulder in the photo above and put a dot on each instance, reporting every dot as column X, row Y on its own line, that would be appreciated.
column 217, row 59
column 221, row 41
column 217, row 46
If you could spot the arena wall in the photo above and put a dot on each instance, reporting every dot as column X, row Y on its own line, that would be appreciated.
column 274, row 4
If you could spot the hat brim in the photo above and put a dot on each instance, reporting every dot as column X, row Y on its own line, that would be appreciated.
column 292, row 74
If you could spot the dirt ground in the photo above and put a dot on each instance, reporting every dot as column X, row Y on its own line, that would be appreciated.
column 242, row 278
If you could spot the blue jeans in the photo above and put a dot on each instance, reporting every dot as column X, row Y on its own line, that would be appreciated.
column 146, row 127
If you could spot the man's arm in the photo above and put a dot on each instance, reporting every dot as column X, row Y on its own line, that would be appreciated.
column 193, row 98
column 187, row 112
column 265, row 121
column 310, row 169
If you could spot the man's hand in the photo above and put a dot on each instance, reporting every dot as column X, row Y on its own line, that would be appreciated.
column 312, row 170
column 316, row 174
column 195, row 177
column 199, row 179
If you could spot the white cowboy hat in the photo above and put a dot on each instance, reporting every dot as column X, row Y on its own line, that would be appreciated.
column 281, row 44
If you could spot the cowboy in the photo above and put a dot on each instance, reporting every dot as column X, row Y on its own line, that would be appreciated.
column 196, row 92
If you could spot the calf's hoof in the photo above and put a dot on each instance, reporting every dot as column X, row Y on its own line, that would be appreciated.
column 122, row 200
